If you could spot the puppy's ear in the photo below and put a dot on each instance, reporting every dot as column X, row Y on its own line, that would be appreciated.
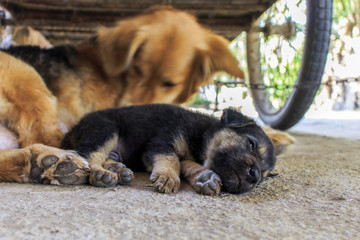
column 218, row 58
column 233, row 118
column 281, row 140
column 119, row 45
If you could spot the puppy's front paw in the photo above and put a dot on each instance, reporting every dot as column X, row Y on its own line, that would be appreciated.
column 102, row 178
column 208, row 183
column 124, row 174
column 166, row 182
column 110, row 174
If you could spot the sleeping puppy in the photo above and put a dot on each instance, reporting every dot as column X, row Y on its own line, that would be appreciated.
column 232, row 154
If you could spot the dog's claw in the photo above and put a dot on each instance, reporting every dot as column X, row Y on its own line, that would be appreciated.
column 208, row 183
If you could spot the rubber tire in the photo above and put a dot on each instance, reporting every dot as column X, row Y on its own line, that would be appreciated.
column 317, row 41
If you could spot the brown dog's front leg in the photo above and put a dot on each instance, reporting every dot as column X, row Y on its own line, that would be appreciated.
column 42, row 164
column 203, row 180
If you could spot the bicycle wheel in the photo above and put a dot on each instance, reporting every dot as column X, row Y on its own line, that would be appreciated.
column 282, row 105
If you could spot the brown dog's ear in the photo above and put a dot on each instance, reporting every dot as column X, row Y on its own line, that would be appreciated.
column 218, row 58
column 280, row 139
column 209, row 58
column 119, row 45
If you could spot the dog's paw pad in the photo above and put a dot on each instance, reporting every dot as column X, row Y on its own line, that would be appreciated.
column 57, row 166
column 35, row 171
column 208, row 183
column 166, row 183
column 50, row 160
column 125, row 175
column 103, row 179
column 65, row 167
column 68, row 179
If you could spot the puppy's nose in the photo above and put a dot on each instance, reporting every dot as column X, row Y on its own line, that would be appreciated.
column 253, row 176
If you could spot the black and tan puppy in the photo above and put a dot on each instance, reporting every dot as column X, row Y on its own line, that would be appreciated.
column 232, row 154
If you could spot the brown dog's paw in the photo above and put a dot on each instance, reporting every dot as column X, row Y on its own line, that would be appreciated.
column 165, row 182
column 59, row 167
column 111, row 174
column 208, row 183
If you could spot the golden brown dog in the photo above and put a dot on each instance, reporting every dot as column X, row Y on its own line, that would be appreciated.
column 161, row 56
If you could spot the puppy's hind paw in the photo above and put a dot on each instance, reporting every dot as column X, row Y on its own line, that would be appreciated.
column 208, row 183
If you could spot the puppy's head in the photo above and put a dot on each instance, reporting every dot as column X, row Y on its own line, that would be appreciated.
column 164, row 55
column 240, row 153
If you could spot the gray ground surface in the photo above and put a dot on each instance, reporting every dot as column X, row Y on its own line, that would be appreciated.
column 315, row 196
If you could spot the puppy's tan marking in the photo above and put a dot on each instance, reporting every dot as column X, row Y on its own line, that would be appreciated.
column 262, row 149
column 166, row 173
column 224, row 139
column 99, row 176
column 181, row 148
column 190, row 170
column 97, row 158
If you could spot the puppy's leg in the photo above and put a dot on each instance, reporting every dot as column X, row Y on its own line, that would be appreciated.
column 97, row 140
column 42, row 164
column 166, row 173
column 105, row 172
column 203, row 180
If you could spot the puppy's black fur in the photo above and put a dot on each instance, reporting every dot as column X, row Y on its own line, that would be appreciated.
column 232, row 154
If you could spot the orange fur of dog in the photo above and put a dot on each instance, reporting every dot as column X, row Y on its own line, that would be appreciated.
column 161, row 56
